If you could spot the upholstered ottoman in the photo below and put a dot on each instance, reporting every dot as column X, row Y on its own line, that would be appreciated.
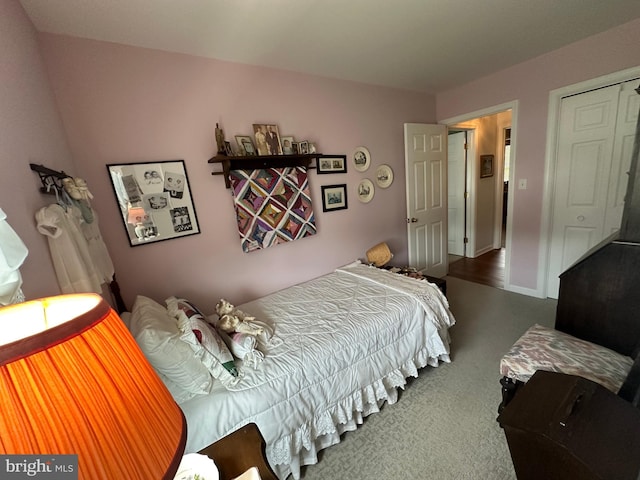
column 543, row 348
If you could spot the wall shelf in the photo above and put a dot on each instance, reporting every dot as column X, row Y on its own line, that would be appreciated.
column 257, row 162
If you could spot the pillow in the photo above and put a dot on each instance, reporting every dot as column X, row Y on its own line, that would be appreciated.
column 158, row 336
column 204, row 340
column 243, row 346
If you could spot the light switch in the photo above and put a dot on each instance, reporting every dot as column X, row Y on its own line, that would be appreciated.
column 522, row 184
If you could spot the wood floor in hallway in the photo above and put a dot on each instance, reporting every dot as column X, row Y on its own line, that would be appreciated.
column 487, row 269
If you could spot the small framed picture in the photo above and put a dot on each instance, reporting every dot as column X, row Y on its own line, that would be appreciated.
column 287, row 145
column 246, row 145
column 267, row 139
column 295, row 148
column 227, row 149
column 361, row 159
column 486, row 166
column 366, row 190
column 303, row 147
column 336, row 164
column 334, row 197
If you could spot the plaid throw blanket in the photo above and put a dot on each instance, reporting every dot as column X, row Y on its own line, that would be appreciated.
column 272, row 205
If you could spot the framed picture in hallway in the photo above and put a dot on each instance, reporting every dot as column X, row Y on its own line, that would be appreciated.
column 486, row 166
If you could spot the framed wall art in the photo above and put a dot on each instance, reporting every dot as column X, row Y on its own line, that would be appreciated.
column 335, row 164
column 486, row 166
column 361, row 159
column 334, row 197
column 155, row 200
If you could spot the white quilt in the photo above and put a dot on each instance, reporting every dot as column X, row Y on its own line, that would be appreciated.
column 343, row 343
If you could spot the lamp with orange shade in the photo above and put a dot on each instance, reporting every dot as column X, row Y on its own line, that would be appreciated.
column 73, row 381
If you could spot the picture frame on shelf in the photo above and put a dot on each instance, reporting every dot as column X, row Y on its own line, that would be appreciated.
column 334, row 197
column 245, row 144
column 227, row 149
column 303, row 147
column 267, row 137
column 366, row 190
column 384, row 176
column 361, row 159
column 486, row 166
column 287, row 145
column 336, row 164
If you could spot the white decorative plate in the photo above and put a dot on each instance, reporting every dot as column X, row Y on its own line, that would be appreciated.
column 366, row 190
column 195, row 466
column 361, row 159
column 384, row 176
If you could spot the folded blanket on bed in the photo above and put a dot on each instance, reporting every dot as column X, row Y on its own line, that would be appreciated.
column 428, row 294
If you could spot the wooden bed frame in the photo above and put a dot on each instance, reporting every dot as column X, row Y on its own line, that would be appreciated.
column 238, row 452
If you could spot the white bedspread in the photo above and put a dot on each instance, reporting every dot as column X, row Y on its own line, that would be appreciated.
column 349, row 339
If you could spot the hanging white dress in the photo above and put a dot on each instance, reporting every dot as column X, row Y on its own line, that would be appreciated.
column 12, row 254
column 98, row 250
column 72, row 260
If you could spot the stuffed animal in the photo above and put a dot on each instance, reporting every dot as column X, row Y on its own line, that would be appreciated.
column 233, row 320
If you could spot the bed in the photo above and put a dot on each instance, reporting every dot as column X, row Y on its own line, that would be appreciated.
column 342, row 345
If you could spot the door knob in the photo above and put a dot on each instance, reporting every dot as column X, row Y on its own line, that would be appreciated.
column 412, row 220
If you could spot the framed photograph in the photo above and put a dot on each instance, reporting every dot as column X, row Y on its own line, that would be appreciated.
column 228, row 151
column 384, row 176
column 366, row 190
column 155, row 200
column 287, row 145
column 486, row 166
column 303, row 147
column 334, row 197
column 361, row 159
column 267, row 139
column 245, row 143
column 295, row 148
column 336, row 164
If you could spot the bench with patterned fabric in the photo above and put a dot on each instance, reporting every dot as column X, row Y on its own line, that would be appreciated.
column 543, row 348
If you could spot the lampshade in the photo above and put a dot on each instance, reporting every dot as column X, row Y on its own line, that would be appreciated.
column 379, row 254
column 73, row 381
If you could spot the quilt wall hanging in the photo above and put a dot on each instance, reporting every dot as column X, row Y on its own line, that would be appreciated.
column 273, row 206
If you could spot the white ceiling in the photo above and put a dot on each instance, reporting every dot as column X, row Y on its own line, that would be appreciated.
column 423, row 45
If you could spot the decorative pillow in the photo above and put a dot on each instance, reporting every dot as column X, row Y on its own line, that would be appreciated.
column 158, row 335
column 204, row 340
column 243, row 346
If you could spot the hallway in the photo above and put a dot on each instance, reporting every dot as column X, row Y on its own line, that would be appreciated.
column 487, row 269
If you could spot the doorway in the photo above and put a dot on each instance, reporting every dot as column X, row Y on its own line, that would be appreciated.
column 483, row 257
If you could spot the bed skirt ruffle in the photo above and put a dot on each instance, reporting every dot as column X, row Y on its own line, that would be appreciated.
column 290, row 453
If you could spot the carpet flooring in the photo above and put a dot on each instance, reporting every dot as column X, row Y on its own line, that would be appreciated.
column 444, row 423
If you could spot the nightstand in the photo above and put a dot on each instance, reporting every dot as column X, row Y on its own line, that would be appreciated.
column 238, row 452
column 413, row 273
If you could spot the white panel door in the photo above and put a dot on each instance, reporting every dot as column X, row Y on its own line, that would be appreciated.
column 583, row 172
column 456, row 192
column 426, row 178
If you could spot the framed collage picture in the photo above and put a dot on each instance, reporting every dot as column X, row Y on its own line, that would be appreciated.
column 155, row 200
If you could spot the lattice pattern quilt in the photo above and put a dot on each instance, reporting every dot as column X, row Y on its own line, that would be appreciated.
column 273, row 206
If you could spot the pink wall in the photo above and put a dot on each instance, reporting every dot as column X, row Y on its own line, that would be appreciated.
column 30, row 132
column 123, row 104
column 530, row 84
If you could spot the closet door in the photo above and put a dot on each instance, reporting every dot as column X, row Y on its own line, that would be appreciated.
column 593, row 156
